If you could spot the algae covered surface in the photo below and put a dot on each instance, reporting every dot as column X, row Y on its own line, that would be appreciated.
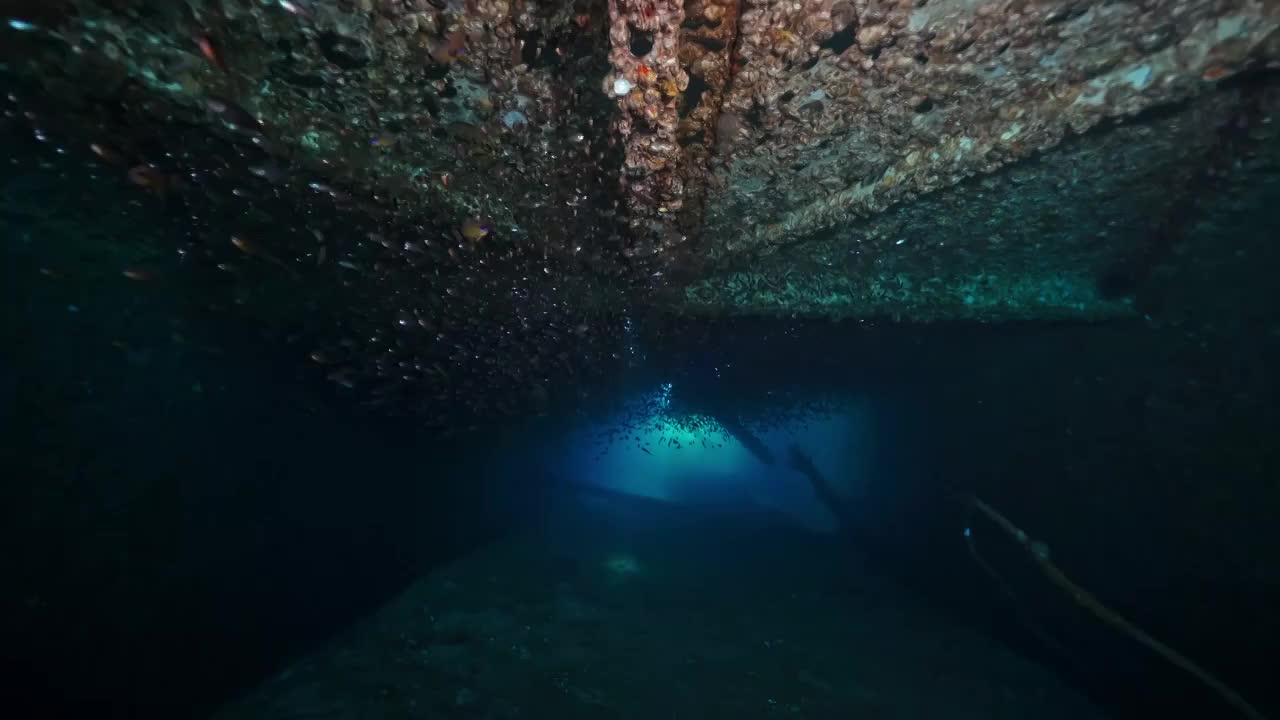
column 613, row 607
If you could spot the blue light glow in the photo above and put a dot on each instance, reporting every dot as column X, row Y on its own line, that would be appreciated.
column 697, row 462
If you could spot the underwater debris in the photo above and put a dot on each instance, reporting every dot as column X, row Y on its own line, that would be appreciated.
column 449, row 48
column 233, row 114
column 1039, row 552
column 747, row 439
column 106, row 154
column 151, row 178
column 474, row 230
column 772, row 133
column 300, row 8
column 209, row 51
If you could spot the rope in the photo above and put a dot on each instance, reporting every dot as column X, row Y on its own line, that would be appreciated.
column 1040, row 553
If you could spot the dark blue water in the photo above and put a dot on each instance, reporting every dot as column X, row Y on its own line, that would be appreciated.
column 719, row 518
column 184, row 524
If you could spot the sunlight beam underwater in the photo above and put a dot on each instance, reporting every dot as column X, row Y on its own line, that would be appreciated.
column 696, row 460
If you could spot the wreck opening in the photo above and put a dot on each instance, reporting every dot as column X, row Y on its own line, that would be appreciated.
column 541, row 330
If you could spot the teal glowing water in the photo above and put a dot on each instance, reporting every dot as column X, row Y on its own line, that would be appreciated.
column 695, row 460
